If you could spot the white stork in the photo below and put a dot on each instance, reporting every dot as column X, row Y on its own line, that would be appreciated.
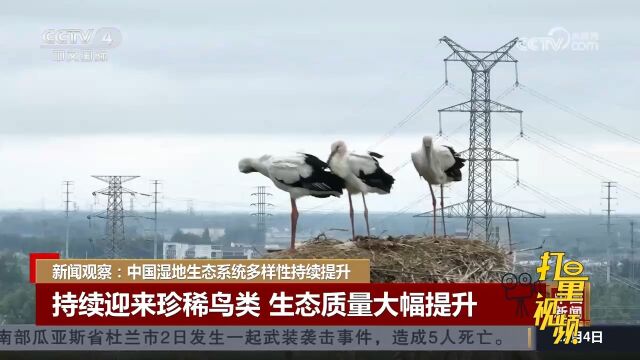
column 299, row 175
column 439, row 165
column 361, row 174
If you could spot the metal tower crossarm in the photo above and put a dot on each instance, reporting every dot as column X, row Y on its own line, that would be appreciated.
column 500, row 210
column 466, row 106
column 486, row 60
column 495, row 156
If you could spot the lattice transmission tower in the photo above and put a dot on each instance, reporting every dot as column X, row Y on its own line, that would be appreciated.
column 114, row 214
column 607, row 187
column 261, row 205
column 155, row 217
column 631, row 247
column 67, row 203
column 480, row 209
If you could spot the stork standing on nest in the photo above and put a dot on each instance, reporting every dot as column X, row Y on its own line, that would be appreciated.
column 361, row 174
column 299, row 175
column 439, row 165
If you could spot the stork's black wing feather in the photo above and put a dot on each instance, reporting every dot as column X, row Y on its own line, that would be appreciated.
column 321, row 179
column 454, row 171
column 379, row 179
column 453, row 152
column 314, row 162
column 375, row 154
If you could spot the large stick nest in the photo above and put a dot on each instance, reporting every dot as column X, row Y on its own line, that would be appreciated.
column 412, row 259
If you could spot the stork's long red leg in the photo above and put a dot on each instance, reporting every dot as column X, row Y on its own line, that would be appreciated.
column 294, row 223
column 444, row 228
column 353, row 230
column 433, row 202
column 366, row 214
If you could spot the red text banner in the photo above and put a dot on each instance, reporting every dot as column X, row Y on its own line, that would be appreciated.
column 284, row 304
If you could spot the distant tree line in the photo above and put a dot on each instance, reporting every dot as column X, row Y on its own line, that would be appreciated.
column 17, row 295
column 234, row 233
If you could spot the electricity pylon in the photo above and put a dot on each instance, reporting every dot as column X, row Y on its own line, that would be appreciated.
column 261, row 204
column 114, row 214
column 155, row 217
column 67, row 202
column 633, row 257
column 609, row 185
column 480, row 209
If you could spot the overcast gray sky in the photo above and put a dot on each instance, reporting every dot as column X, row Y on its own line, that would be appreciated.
column 194, row 86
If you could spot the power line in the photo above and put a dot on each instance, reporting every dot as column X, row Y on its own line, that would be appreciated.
column 405, row 208
column 410, row 116
column 543, row 195
column 508, row 91
column 448, row 135
column 400, row 167
column 625, row 282
column 386, row 86
column 589, row 155
column 594, row 157
column 564, row 157
column 204, row 202
column 579, row 166
column 585, row 153
column 510, row 142
column 579, row 115
column 568, row 146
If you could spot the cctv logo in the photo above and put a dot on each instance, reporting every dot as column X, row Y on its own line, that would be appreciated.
column 95, row 39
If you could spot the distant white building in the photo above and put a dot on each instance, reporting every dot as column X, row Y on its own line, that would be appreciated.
column 176, row 250
column 214, row 233
column 460, row 233
column 279, row 239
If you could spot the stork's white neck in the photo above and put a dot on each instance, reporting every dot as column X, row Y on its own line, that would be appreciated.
column 339, row 164
column 261, row 164
column 428, row 152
